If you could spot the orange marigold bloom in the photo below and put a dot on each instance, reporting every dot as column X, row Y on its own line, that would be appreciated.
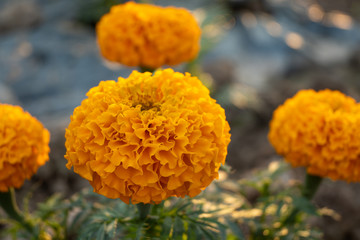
column 148, row 36
column 24, row 146
column 320, row 131
column 148, row 137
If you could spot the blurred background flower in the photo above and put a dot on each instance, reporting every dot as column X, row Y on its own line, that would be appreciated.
column 148, row 36
column 319, row 131
column 24, row 146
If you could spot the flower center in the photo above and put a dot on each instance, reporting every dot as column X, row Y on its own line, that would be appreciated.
column 145, row 106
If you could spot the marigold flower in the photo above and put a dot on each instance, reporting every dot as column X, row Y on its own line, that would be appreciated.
column 148, row 36
column 24, row 146
column 148, row 137
column 320, row 131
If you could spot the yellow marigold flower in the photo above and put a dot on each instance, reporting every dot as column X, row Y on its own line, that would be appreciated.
column 148, row 36
column 148, row 137
column 320, row 131
column 24, row 146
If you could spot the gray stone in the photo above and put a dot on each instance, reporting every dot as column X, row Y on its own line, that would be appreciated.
column 19, row 14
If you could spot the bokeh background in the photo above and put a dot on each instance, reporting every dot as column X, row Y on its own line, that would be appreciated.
column 255, row 54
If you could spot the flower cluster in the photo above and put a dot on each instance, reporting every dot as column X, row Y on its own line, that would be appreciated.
column 24, row 146
column 148, row 36
column 148, row 137
column 319, row 130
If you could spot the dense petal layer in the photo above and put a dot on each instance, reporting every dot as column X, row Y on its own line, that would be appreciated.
column 148, row 36
column 24, row 146
column 148, row 137
column 319, row 130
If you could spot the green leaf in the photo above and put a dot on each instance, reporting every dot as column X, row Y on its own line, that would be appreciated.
column 111, row 228
column 166, row 228
column 198, row 232
column 183, row 206
column 178, row 229
column 212, row 220
column 140, row 232
column 222, row 230
column 191, row 232
column 304, row 205
column 208, row 233
column 89, row 230
column 178, row 203
column 198, row 212
column 235, row 229
column 76, row 221
column 205, row 223
column 101, row 233
column 279, row 207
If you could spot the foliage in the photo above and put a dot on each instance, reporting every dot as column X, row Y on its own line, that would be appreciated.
column 113, row 219
column 225, row 210
column 88, row 215
column 90, row 11
column 278, row 210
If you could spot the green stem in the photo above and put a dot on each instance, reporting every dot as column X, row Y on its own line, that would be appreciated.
column 8, row 203
column 144, row 210
column 146, row 69
column 312, row 184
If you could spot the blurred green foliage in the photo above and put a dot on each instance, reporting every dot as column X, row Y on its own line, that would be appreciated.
column 278, row 210
column 90, row 11
column 258, row 207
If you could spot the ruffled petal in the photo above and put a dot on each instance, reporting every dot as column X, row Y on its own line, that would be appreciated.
column 148, row 137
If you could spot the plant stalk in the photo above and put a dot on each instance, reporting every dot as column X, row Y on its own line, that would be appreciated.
column 144, row 210
column 8, row 203
column 312, row 184
column 146, row 69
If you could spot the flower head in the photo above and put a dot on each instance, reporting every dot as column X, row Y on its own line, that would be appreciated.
column 320, row 131
column 24, row 146
column 148, row 36
column 148, row 137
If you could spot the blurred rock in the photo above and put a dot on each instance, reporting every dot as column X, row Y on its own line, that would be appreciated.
column 354, row 60
column 7, row 95
column 340, row 197
column 19, row 15
column 222, row 71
